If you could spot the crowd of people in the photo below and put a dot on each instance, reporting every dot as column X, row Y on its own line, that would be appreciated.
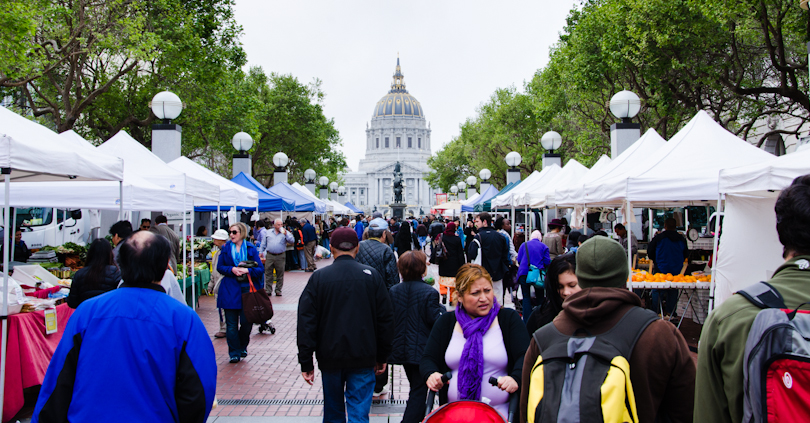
column 579, row 346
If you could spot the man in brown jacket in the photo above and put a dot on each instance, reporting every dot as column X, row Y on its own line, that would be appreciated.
column 661, row 369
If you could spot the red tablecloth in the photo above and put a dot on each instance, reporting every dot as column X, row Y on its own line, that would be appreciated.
column 29, row 353
column 43, row 293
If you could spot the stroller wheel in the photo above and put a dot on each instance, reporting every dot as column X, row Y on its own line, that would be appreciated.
column 272, row 329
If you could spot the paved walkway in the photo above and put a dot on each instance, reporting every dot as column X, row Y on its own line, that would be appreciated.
column 268, row 382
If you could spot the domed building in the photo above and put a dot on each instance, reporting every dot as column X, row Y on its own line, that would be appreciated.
column 398, row 133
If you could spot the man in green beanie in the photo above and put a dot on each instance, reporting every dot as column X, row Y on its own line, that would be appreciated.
column 661, row 369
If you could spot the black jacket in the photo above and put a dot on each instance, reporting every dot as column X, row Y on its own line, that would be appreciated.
column 375, row 254
column 455, row 256
column 416, row 309
column 403, row 240
column 344, row 317
column 80, row 290
column 435, row 228
column 495, row 252
column 515, row 339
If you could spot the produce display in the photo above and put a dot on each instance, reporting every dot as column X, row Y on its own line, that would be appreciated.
column 642, row 276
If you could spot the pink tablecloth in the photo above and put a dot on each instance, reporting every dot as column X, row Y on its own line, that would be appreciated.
column 29, row 353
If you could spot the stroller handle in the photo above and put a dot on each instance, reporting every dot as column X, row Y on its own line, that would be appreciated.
column 513, row 401
column 432, row 394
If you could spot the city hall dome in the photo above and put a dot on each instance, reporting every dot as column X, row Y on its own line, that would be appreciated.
column 398, row 103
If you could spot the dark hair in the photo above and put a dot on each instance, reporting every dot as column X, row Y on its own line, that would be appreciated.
column 200, row 231
column 560, row 264
column 499, row 223
column 161, row 219
column 144, row 258
column 793, row 217
column 619, row 227
column 99, row 256
column 573, row 238
column 601, row 233
column 485, row 217
column 582, row 239
column 669, row 224
column 121, row 228
column 412, row 265
column 146, row 219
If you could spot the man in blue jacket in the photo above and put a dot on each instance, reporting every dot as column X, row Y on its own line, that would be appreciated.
column 310, row 239
column 133, row 354
column 667, row 250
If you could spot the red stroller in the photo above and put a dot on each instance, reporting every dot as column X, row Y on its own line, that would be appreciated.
column 467, row 411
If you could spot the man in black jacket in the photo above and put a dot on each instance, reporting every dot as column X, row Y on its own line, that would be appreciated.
column 494, row 252
column 345, row 317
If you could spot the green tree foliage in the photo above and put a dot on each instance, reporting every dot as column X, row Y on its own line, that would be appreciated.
column 745, row 62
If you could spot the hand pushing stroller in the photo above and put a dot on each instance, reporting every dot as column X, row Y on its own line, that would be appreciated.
column 467, row 411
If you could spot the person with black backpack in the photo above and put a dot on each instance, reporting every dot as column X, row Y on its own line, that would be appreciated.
column 621, row 361
column 448, row 253
column 758, row 324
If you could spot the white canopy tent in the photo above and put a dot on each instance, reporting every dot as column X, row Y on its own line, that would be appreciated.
column 749, row 249
column 573, row 193
column 321, row 204
column 153, row 169
column 32, row 153
column 230, row 193
column 539, row 196
column 508, row 199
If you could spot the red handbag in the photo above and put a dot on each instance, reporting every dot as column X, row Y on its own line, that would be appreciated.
column 256, row 304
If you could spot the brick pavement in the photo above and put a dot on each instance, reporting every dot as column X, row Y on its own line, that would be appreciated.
column 271, row 371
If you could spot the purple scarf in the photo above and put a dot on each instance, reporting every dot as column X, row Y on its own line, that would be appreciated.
column 471, row 367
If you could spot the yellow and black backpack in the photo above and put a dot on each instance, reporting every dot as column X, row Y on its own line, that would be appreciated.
column 586, row 378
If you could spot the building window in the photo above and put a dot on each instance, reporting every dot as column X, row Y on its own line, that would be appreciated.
column 410, row 142
column 354, row 192
column 361, row 203
column 419, row 143
column 378, row 142
column 386, row 142
column 362, row 191
column 399, row 142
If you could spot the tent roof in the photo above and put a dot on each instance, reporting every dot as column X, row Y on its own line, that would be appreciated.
column 686, row 169
column 138, row 193
column 450, row 205
column 574, row 193
column 351, row 207
column 487, row 205
column 327, row 205
column 490, row 192
column 230, row 193
column 572, row 171
column 267, row 200
column 535, row 179
column 34, row 153
column 767, row 178
column 302, row 202
column 142, row 162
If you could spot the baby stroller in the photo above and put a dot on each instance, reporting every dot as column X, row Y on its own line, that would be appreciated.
column 467, row 411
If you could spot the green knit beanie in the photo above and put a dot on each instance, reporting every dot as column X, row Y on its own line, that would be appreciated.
column 602, row 262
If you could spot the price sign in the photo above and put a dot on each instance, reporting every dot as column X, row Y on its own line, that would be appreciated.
column 50, row 321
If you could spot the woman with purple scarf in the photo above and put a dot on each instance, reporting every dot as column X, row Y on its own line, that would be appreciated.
column 480, row 340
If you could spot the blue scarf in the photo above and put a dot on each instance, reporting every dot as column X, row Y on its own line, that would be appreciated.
column 238, row 256
column 471, row 367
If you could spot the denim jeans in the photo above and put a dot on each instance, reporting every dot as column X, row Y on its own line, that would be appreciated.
column 237, row 336
column 670, row 297
column 356, row 385
column 527, row 298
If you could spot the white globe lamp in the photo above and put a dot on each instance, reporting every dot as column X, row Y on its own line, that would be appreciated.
column 513, row 159
column 471, row 181
column 484, row 174
column 625, row 104
column 280, row 160
column 324, row 181
column 309, row 175
column 242, row 142
column 551, row 140
column 166, row 105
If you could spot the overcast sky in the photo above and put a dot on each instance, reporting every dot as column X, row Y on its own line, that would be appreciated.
column 454, row 54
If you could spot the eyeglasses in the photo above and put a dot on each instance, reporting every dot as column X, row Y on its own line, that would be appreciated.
column 234, row 232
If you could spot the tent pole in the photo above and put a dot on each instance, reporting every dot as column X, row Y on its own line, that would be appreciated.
column 715, row 248
column 513, row 221
column 191, row 225
column 686, row 219
column 120, row 200
column 4, row 346
column 649, row 226
column 13, row 225
column 629, row 231
column 218, row 214
column 183, row 232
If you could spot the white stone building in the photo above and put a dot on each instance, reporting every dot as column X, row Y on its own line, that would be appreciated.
column 398, row 133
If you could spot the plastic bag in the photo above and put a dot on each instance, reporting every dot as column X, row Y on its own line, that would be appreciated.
column 321, row 252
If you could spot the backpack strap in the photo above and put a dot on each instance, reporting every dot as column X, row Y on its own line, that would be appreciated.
column 625, row 334
column 763, row 295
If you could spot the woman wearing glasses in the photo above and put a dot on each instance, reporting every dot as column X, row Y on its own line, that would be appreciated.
column 234, row 283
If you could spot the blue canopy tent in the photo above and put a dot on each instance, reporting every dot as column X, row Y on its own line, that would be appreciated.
column 289, row 193
column 486, row 206
column 267, row 200
column 491, row 192
column 353, row 208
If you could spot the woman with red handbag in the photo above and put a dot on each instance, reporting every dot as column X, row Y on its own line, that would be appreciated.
column 235, row 282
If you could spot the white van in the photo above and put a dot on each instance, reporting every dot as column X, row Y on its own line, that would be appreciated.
column 49, row 226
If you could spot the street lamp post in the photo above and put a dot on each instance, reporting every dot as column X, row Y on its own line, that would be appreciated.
column 333, row 191
column 551, row 141
column 454, row 191
column 309, row 178
column 513, row 160
column 166, row 136
column 280, row 173
column 462, row 190
column 342, row 194
column 624, row 105
column 471, row 181
column 324, row 181
column 242, row 143
column 484, row 175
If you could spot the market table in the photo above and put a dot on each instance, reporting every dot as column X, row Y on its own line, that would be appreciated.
column 29, row 353
column 689, row 288
column 201, row 279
